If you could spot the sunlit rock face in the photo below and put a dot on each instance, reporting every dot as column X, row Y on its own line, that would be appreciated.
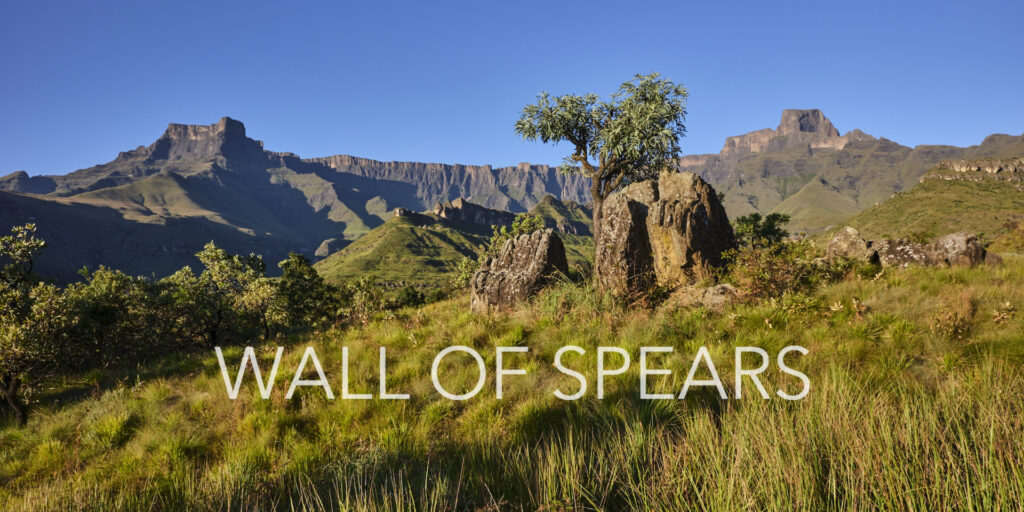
column 670, row 231
column 524, row 266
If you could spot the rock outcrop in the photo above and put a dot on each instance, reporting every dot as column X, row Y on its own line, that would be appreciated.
column 524, row 265
column 956, row 249
column 461, row 210
column 901, row 253
column 849, row 244
column 797, row 128
column 1009, row 171
column 328, row 246
column 670, row 231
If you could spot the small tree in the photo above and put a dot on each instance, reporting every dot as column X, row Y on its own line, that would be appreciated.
column 22, row 355
column 304, row 296
column 225, row 303
column 752, row 230
column 633, row 136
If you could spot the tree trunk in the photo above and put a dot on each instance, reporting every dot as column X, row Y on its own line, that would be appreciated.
column 11, row 385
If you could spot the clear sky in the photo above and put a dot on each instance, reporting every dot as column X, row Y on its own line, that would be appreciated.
column 444, row 81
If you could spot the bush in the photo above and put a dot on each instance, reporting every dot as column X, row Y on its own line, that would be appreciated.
column 409, row 296
column 772, row 270
column 753, row 230
column 523, row 224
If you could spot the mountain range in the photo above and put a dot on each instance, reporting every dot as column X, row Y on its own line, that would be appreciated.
column 806, row 169
column 149, row 210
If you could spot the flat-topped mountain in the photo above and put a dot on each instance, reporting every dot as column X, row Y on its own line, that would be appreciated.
column 806, row 169
column 196, row 183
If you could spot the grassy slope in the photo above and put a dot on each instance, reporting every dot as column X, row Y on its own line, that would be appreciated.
column 422, row 249
column 899, row 416
column 412, row 249
column 858, row 176
column 937, row 207
column 817, row 204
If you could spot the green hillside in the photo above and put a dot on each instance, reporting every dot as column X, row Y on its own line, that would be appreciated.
column 934, row 207
column 419, row 248
column 423, row 249
column 565, row 216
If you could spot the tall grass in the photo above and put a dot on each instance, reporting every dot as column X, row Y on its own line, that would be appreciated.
column 904, row 413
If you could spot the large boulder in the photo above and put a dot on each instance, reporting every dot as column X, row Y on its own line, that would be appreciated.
column 849, row 244
column 523, row 266
column 670, row 231
column 901, row 253
column 957, row 249
column 623, row 260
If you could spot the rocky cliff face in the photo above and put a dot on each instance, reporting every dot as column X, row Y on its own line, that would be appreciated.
column 1008, row 170
column 464, row 211
column 516, row 188
column 806, row 121
column 198, row 142
column 797, row 128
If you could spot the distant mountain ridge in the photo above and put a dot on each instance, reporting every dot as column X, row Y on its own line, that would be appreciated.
column 806, row 169
column 190, row 149
column 214, row 182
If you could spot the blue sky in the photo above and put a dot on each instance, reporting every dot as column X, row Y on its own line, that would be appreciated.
column 444, row 81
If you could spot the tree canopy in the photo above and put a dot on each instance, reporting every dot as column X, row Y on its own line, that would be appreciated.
column 632, row 136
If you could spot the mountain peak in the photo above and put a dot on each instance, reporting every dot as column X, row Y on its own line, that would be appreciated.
column 195, row 141
column 806, row 121
column 797, row 128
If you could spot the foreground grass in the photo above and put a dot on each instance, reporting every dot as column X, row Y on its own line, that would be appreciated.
column 917, row 402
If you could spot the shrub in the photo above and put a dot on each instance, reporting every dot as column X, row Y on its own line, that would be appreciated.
column 762, row 271
column 753, row 230
column 409, row 296
column 523, row 224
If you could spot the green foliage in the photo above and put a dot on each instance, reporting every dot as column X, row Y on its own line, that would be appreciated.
column 363, row 299
column 409, row 296
column 762, row 270
column 630, row 137
column 523, row 224
column 304, row 296
column 463, row 272
column 25, row 352
column 753, row 230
